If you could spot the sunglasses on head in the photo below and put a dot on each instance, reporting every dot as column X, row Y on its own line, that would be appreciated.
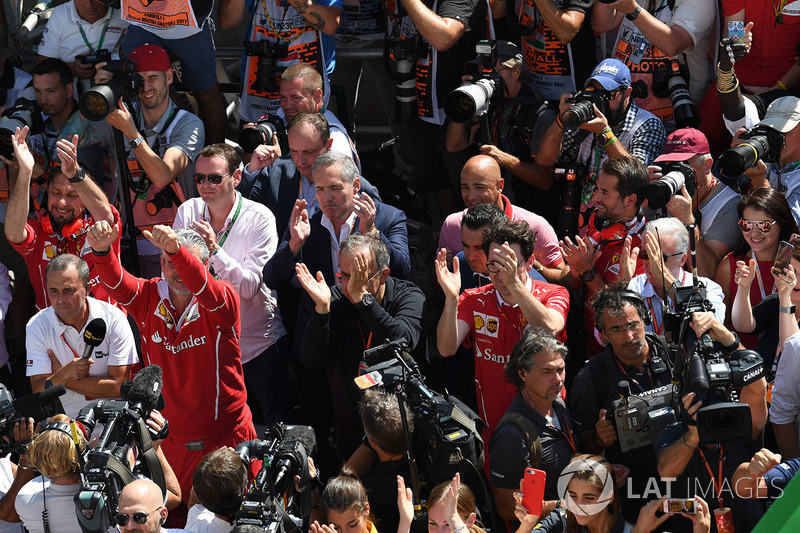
column 140, row 517
column 216, row 179
column 764, row 226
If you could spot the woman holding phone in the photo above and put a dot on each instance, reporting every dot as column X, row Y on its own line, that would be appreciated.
column 765, row 220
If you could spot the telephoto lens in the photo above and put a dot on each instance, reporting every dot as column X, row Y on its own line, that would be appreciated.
column 254, row 135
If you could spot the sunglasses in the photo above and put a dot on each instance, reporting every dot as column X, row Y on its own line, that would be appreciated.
column 764, row 226
column 216, row 179
column 643, row 256
column 140, row 517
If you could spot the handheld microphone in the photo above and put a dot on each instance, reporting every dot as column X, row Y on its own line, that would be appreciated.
column 93, row 335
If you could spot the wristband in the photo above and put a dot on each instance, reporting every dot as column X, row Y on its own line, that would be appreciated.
column 782, row 85
column 605, row 130
column 633, row 14
column 788, row 310
column 735, row 344
column 558, row 122
column 103, row 253
column 611, row 141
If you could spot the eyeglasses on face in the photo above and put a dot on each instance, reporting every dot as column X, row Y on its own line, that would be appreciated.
column 665, row 257
column 140, row 517
column 216, row 179
column 764, row 226
column 619, row 330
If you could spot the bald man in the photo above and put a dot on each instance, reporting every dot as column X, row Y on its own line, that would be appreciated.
column 142, row 501
column 482, row 183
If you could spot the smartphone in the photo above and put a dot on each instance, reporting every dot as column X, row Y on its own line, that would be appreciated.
column 736, row 31
column 782, row 258
column 533, row 490
column 679, row 505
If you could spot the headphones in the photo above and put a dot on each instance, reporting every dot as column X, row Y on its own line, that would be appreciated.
column 636, row 300
column 65, row 428
column 612, row 233
column 74, row 229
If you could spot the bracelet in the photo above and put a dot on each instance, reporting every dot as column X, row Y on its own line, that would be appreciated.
column 733, row 346
column 782, row 85
column 729, row 90
column 103, row 253
column 605, row 130
column 686, row 444
column 611, row 141
column 558, row 122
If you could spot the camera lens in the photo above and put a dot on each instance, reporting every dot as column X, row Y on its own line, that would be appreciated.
column 96, row 103
column 254, row 136
column 685, row 112
column 662, row 190
column 468, row 101
column 577, row 114
column 736, row 160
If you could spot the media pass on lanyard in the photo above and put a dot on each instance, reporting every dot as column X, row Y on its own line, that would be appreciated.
column 638, row 54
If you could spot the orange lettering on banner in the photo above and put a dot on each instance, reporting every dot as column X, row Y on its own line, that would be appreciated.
column 162, row 14
column 653, row 59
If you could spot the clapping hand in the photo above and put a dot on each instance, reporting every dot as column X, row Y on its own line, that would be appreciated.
column 745, row 274
column 449, row 281
column 102, row 235
column 316, row 287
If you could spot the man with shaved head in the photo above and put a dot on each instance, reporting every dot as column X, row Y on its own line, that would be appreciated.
column 141, row 508
column 482, row 183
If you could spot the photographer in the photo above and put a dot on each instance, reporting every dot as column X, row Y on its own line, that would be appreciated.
column 717, row 233
column 218, row 485
column 81, row 27
column 517, row 127
column 651, row 44
column 278, row 33
column 18, row 474
column 616, row 128
column 162, row 142
column 680, row 454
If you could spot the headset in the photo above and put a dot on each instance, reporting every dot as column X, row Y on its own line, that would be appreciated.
column 74, row 229
column 638, row 302
column 612, row 233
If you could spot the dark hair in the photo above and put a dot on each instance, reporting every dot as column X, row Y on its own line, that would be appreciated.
column 523, row 356
column 224, row 152
column 315, row 120
column 51, row 65
column 585, row 467
column 483, row 215
column 380, row 414
column 513, row 233
column 632, row 176
column 219, row 482
column 63, row 262
column 774, row 204
column 343, row 493
column 615, row 299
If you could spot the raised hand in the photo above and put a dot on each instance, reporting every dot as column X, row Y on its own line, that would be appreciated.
column 745, row 273
column 265, row 154
column 505, row 259
column 102, row 235
column 701, row 520
column 605, row 434
column 316, row 527
column 207, row 233
column 449, row 281
column 647, row 520
column 580, row 256
column 122, row 119
column 366, row 212
column 316, row 288
column 163, row 237
column 526, row 519
column 299, row 226
column 785, row 281
column 359, row 277
column 405, row 505
column 22, row 154
column 451, row 503
column 68, row 154
column 627, row 260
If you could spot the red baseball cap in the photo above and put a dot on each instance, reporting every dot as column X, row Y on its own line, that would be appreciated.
column 684, row 144
column 150, row 57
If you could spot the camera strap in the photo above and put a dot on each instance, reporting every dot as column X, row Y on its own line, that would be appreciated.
column 102, row 36
column 281, row 23
column 144, row 183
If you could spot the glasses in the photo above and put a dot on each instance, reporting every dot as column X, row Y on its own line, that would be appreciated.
column 619, row 330
column 340, row 278
column 140, row 517
column 643, row 255
column 764, row 226
column 216, row 179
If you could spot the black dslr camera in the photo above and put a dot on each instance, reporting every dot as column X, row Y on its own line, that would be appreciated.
column 570, row 176
column 268, row 53
column 97, row 102
column 583, row 110
column 761, row 142
column 672, row 81
column 674, row 175
column 99, row 56
column 261, row 132
column 23, row 113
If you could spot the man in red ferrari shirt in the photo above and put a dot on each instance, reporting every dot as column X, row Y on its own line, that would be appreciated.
column 492, row 318
column 190, row 327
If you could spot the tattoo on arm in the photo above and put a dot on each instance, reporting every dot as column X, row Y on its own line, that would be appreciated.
column 302, row 7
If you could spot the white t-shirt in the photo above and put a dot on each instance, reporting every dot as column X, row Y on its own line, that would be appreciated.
column 6, row 479
column 201, row 520
column 59, row 499
column 45, row 331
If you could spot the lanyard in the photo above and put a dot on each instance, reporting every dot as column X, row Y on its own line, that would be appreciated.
column 566, row 434
column 71, row 349
column 366, row 342
column 778, row 10
column 760, row 281
column 710, row 188
column 102, row 36
column 658, row 328
column 276, row 31
column 717, row 484
column 48, row 154
column 633, row 379
column 230, row 224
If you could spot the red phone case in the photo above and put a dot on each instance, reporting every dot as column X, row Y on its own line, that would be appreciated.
column 533, row 490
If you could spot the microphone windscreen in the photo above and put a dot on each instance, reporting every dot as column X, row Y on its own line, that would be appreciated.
column 41, row 405
column 146, row 388
column 304, row 435
column 95, row 332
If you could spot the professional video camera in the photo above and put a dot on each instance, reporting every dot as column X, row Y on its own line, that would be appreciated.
column 124, row 449
column 261, row 132
column 98, row 56
column 674, row 175
column 23, row 113
column 98, row 101
column 761, row 142
column 672, row 81
column 284, row 454
column 702, row 368
column 268, row 53
column 640, row 417
column 39, row 406
column 481, row 97
column 583, row 110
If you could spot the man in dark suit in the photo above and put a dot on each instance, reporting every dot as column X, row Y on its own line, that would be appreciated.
column 277, row 181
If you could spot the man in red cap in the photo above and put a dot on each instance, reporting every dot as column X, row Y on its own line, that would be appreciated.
column 717, row 232
column 161, row 144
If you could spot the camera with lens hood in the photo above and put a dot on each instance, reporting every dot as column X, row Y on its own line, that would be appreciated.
column 570, row 176
column 582, row 109
column 672, row 81
column 23, row 113
column 674, row 175
column 482, row 96
column 39, row 406
column 268, row 53
column 761, row 142
column 261, row 132
column 100, row 100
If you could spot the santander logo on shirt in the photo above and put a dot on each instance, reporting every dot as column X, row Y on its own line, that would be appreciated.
column 191, row 342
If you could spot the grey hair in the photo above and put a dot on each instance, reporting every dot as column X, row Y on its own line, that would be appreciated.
column 63, row 262
column 345, row 163
column 673, row 227
column 523, row 356
column 355, row 242
column 190, row 238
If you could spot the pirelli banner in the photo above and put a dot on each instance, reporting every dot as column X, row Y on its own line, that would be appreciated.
column 159, row 14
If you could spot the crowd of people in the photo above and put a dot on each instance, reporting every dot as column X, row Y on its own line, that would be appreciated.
column 600, row 330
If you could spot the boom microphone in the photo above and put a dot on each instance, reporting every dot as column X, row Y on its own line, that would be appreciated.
column 146, row 388
column 93, row 335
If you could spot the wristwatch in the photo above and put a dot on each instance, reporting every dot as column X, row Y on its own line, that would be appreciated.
column 633, row 14
column 133, row 143
column 48, row 384
column 79, row 176
column 366, row 301
column 788, row 310
column 589, row 275
column 734, row 345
